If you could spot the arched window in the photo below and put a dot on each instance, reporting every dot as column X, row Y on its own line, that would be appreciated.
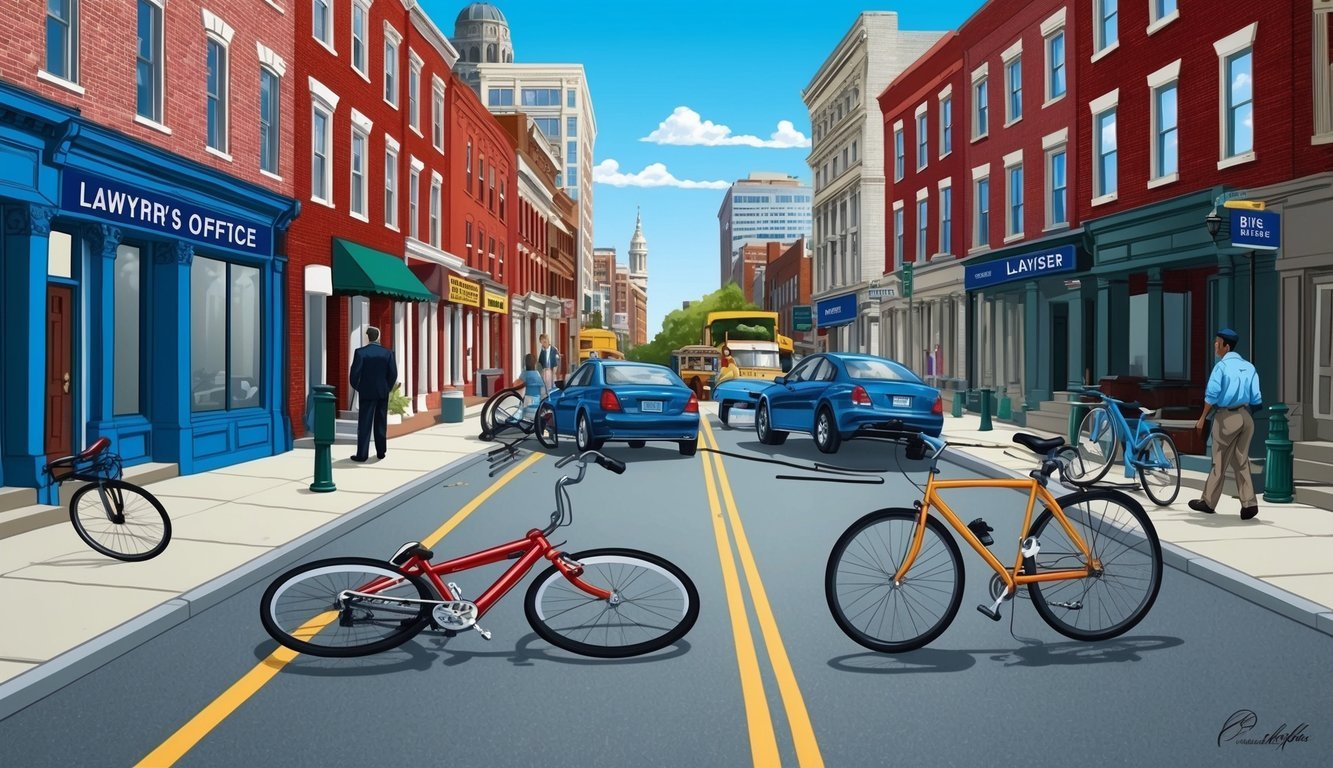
column 474, row 54
column 490, row 52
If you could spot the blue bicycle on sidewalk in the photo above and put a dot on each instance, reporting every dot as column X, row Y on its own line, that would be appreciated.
column 1145, row 449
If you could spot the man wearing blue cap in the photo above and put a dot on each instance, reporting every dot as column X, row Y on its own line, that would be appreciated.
column 1233, row 389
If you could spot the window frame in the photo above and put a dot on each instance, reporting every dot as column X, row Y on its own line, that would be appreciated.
column 1322, row 65
column 158, row 63
column 1228, row 49
column 364, row 7
column 946, row 121
column 393, row 42
column 1055, row 145
column 69, row 76
column 1100, row 46
column 1053, row 28
column 980, row 215
column 437, row 91
column 898, row 243
column 1157, row 19
column 1013, row 86
column 980, row 117
column 1167, row 77
column 436, row 193
column 1108, row 102
column 275, row 124
column 363, row 184
column 223, row 111
column 325, row 102
column 922, row 137
column 945, row 239
column 329, row 31
column 391, row 155
column 899, row 152
column 923, row 224
column 414, row 67
column 414, row 198
column 1014, row 197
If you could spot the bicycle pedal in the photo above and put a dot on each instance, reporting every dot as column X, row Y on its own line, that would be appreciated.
column 453, row 589
column 485, row 634
column 992, row 613
column 981, row 531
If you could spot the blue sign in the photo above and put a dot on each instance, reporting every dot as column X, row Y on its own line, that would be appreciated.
column 1029, row 265
column 837, row 311
column 117, row 202
column 1257, row 230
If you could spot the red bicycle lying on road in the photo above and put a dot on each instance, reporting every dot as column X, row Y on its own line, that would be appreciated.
column 607, row 603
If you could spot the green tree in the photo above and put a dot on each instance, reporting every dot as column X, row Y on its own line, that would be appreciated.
column 594, row 320
column 682, row 327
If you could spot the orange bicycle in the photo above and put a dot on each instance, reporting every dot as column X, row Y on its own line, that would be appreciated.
column 1091, row 561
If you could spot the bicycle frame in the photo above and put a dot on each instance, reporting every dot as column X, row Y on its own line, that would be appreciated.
column 1012, row 579
column 1132, row 444
column 528, row 550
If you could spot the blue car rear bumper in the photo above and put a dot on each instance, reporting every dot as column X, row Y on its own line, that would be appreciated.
column 620, row 426
column 865, row 422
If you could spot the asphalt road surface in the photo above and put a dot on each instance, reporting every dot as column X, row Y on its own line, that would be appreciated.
column 765, row 678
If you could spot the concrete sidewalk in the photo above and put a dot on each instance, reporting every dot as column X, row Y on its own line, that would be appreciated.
column 79, row 609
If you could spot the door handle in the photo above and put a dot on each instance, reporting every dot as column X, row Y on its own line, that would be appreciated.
column 66, row 384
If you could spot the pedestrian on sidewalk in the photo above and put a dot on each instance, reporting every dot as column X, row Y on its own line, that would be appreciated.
column 1232, row 392
column 374, row 372
column 548, row 361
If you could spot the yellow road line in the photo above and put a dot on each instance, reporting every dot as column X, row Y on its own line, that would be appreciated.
column 802, row 732
column 763, row 741
column 190, row 734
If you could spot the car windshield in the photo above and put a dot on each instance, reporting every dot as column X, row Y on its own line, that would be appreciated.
column 755, row 358
column 640, row 374
column 878, row 370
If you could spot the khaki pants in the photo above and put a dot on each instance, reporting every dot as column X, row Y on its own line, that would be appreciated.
column 1232, row 431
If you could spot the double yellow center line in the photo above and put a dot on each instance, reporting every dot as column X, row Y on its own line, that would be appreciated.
column 763, row 739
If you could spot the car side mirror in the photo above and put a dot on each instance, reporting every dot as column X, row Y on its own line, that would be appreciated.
column 780, row 380
column 559, row 384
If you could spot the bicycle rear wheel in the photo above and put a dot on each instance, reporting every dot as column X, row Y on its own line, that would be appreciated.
column 653, row 604
column 858, row 582
column 1158, row 466
column 544, row 425
column 304, row 608
column 1097, row 443
column 502, row 412
column 1123, row 577
column 120, row 520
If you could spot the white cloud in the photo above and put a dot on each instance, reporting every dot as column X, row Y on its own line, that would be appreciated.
column 654, row 175
column 685, row 128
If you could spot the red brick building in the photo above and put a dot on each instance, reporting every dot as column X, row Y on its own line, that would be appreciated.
column 787, row 284
column 753, row 257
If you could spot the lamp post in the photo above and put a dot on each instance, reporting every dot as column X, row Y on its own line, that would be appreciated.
column 1214, row 223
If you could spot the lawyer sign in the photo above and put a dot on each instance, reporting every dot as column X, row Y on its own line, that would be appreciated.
column 1033, row 265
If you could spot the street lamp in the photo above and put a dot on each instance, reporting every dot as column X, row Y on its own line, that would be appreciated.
column 1214, row 223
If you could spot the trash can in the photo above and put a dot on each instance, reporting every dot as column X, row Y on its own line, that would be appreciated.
column 488, row 381
column 451, row 407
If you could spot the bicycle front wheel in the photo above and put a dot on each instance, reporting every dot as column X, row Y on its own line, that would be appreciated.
column 1123, row 574
column 1158, row 465
column 503, row 412
column 307, row 610
column 120, row 520
column 653, row 604
column 1097, row 443
column 862, row 597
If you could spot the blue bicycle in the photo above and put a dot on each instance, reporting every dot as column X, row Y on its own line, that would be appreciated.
column 1148, row 452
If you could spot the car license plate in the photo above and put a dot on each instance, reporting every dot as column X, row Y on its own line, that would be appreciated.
column 902, row 401
column 651, row 406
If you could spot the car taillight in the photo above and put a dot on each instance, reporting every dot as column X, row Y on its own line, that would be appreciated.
column 693, row 405
column 938, row 407
column 609, row 401
column 860, row 396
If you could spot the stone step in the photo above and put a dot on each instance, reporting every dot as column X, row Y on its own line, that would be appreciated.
column 1312, row 450
column 1315, row 496
column 1050, row 424
column 1313, row 471
column 15, row 498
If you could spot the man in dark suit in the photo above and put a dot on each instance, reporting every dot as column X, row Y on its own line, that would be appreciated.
column 374, row 372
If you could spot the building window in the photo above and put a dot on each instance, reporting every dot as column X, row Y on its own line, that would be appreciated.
column 490, row 195
column 413, row 84
column 572, row 177
column 226, row 337
column 1162, row 12
column 981, row 232
column 358, row 199
column 1323, row 75
column 899, row 152
column 321, row 144
column 468, row 165
column 1165, row 122
column 946, row 219
column 898, row 234
column 1238, row 114
column 500, row 97
column 148, row 62
column 571, row 127
column 391, row 67
column 128, row 288
column 435, row 212
column 1055, row 66
column 1106, row 24
column 1013, row 74
column 979, row 95
column 1014, row 221
column 571, row 98
column 922, row 224
column 946, row 126
column 550, row 126
column 922, row 141
column 437, row 117
column 359, row 16
column 467, row 239
column 269, row 116
column 1057, row 181
column 390, row 188
column 413, row 192
column 502, row 200
column 540, row 97
column 1104, row 152
column 217, row 95
column 62, row 39
column 321, row 21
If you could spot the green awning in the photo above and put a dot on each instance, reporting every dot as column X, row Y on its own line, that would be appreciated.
column 362, row 271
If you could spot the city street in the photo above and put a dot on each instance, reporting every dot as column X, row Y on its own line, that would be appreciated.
column 764, row 678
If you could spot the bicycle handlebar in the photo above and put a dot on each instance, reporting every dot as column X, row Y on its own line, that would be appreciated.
column 615, row 465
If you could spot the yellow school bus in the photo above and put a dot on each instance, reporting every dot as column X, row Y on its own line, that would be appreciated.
column 751, row 336
column 601, row 341
column 696, row 365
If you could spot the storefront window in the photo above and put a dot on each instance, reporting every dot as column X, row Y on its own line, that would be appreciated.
column 128, row 282
column 225, row 346
column 1175, row 345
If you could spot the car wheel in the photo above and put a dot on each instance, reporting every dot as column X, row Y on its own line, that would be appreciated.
column 723, row 411
column 827, row 438
column 688, row 447
column 762, row 427
column 637, row 443
column 583, row 439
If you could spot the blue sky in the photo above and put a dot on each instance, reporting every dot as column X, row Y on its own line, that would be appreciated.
column 739, row 64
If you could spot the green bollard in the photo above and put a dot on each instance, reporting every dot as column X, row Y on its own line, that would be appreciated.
column 323, row 440
column 986, row 425
column 957, row 411
column 1076, row 413
column 1277, row 465
column 1005, row 412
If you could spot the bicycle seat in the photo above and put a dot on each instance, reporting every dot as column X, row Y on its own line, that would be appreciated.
column 1148, row 413
column 99, row 445
column 1037, row 445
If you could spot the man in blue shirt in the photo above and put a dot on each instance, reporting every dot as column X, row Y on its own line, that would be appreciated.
column 1233, row 389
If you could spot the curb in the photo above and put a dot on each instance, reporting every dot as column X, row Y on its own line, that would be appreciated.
column 50, row 676
column 1242, row 585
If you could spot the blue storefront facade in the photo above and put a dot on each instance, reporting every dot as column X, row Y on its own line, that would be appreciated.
column 141, row 296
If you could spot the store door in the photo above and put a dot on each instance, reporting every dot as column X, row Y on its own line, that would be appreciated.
column 59, row 362
column 1059, row 346
column 1323, row 361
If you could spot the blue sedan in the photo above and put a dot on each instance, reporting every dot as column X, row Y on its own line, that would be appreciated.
column 618, row 400
column 836, row 396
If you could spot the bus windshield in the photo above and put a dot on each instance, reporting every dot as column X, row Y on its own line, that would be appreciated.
column 755, row 358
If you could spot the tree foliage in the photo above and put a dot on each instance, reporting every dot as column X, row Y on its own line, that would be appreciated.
column 594, row 320
column 683, row 327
